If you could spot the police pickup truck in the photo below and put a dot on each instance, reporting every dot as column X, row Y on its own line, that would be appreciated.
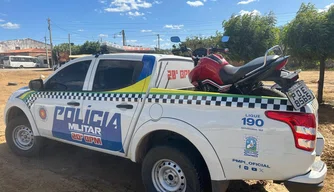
column 142, row 107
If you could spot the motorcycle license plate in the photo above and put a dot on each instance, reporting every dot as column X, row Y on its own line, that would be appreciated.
column 300, row 95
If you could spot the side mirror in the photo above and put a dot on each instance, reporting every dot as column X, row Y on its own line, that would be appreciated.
column 225, row 39
column 175, row 39
column 36, row 85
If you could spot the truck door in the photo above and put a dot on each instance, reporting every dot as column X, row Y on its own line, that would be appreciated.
column 116, row 86
column 57, row 108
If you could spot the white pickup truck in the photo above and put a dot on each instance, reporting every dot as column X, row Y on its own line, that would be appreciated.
column 142, row 107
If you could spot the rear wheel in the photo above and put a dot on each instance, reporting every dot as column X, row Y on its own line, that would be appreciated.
column 169, row 169
column 265, row 91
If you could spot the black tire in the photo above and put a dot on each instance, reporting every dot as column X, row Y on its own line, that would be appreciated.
column 265, row 91
column 21, row 66
column 37, row 142
column 196, row 177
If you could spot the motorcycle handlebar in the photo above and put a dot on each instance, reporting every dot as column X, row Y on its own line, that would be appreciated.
column 183, row 50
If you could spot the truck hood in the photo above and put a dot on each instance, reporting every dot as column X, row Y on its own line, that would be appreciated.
column 19, row 92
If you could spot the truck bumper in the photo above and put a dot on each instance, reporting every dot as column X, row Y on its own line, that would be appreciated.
column 312, row 181
column 320, row 144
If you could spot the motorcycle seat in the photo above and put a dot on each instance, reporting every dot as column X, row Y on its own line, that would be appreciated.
column 230, row 74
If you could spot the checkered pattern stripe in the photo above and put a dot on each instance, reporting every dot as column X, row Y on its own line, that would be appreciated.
column 128, row 97
column 241, row 102
column 258, row 103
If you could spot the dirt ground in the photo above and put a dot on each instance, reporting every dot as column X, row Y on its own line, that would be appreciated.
column 62, row 167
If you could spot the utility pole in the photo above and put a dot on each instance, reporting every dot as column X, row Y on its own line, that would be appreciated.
column 123, row 35
column 49, row 27
column 158, row 42
column 46, row 52
column 69, row 43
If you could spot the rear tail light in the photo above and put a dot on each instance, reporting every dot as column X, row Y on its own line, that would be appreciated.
column 282, row 64
column 303, row 126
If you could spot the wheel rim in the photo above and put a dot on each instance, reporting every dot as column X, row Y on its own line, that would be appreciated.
column 167, row 176
column 23, row 137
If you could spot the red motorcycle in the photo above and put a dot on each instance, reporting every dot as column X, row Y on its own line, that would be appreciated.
column 212, row 73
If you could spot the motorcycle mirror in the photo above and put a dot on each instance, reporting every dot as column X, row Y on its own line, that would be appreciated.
column 225, row 39
column 175, row 39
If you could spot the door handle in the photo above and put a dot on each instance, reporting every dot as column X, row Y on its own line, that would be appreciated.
column 125, row 106
column 73, row 103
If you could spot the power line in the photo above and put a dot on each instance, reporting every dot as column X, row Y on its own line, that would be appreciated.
column 67, row 31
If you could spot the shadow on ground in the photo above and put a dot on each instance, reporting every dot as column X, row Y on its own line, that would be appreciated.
column 327, row 114
column 43, row 69
column 236, row 186
column 96, row 171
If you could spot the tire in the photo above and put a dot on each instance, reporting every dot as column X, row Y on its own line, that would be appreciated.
column 265, row 91
column 189, row 173
column 23, row 146
column 21, row 66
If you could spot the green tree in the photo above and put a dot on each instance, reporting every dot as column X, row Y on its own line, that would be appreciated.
column 105, row 49
column 195, row 42
column 64, row 47
column 90, row 47
column 75, row 49
column 250, row 35
column 310, row 37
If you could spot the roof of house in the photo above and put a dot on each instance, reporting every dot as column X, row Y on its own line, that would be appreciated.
column 23, row 40
column 32, row 50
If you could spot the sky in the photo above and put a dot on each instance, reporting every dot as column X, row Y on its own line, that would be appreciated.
column 142, row 20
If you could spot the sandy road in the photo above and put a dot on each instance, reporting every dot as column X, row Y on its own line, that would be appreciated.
column 62, row 167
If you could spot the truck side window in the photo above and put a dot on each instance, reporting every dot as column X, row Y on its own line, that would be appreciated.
column 71, row 78
column 116, row 74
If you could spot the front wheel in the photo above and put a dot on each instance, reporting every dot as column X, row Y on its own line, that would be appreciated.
column 20, row 137
column 168, row 169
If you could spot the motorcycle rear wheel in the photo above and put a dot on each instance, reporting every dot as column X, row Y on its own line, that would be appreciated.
column 265, row 91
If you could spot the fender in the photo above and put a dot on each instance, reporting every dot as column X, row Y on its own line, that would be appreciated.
column 14, row 102
column 186, row 130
